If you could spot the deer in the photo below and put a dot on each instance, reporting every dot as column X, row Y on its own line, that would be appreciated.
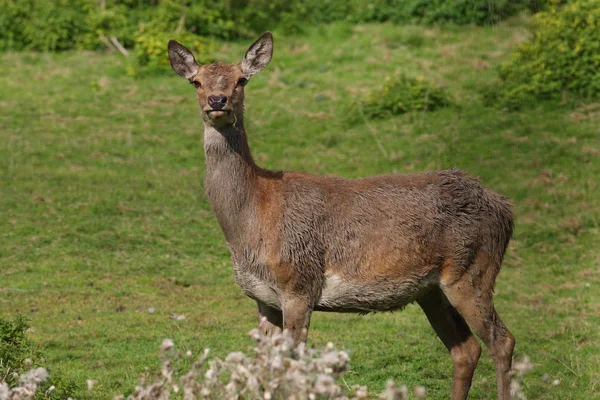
column 301, row 242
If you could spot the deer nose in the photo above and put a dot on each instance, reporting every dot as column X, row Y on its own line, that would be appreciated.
column 217, row 102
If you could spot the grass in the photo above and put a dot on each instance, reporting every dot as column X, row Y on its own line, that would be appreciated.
column 103, row 214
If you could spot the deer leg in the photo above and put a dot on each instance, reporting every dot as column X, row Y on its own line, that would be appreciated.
column 456, row 336
column 296, row 317
column 270, row 320
column 476, row 306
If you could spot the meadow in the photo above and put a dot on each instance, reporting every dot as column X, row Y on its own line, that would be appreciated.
column 108, row 244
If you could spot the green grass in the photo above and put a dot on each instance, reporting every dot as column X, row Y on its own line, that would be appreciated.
column 103, row 215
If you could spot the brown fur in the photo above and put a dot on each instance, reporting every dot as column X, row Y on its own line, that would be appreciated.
column 301, row 242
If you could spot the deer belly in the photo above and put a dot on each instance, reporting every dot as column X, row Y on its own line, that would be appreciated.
column 258, row 289
column 340, row 295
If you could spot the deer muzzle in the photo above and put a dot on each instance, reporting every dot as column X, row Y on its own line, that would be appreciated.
column 217, row 102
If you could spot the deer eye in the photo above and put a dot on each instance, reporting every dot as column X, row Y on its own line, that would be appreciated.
column 242, row 81
column 196, row 84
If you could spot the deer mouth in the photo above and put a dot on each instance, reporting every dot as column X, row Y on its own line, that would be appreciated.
column 217, row 113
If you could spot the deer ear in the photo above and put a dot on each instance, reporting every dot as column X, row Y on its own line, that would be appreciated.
column 182, row 60
column 258, row 55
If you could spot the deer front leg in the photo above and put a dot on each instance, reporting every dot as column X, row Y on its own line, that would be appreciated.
column 296, row 317
column 270, row 320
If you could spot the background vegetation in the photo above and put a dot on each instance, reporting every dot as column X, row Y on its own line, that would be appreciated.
column 107, row 241
column 81, row 24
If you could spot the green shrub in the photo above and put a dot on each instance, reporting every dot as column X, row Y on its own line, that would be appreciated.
column 12, row 19
column 402, row 94
column 55, row 25
column 151, row 49
column 563, row 56
column 211, row 20
column 18, row 354
column 295, row 15
column 109, row 22
column 461, row 12
column 15, row 347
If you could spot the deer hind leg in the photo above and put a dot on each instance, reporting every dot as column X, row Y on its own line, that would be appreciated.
column 456, row 336
column 472, row 298
column 270, row 320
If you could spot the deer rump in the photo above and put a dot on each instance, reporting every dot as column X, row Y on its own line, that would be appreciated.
column 370, row 244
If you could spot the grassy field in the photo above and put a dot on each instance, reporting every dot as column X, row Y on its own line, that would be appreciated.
column 103, row 215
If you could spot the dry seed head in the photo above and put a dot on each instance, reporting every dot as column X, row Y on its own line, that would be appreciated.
column 166, row 345
column 523, row 366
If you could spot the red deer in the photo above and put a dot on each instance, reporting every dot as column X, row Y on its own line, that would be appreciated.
column 301, row 242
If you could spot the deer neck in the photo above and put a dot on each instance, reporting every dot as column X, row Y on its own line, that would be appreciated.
column 230, row 179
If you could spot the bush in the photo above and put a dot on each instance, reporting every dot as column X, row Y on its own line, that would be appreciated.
column 400, row 95
column 55, row 25
column 295, row 15
column 15, row 347
column 151, row 48
column 106, row 23
column 461, row 12
column 18, row 378
column 42, row 25
column 563, row 56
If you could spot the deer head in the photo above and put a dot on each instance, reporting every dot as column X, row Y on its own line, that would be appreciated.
column 220, row 87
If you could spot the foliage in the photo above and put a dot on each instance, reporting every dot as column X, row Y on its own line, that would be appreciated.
column 104, row 23
column 277, row 369
column 47, row 25
column 42, row 25
column 151, row 51
column 13, row 18
column 15, row 347
column 17, row 375
column 563, row 55
column 461, row 12
column 295, row 15
column 402, row 94
column 27, row 387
